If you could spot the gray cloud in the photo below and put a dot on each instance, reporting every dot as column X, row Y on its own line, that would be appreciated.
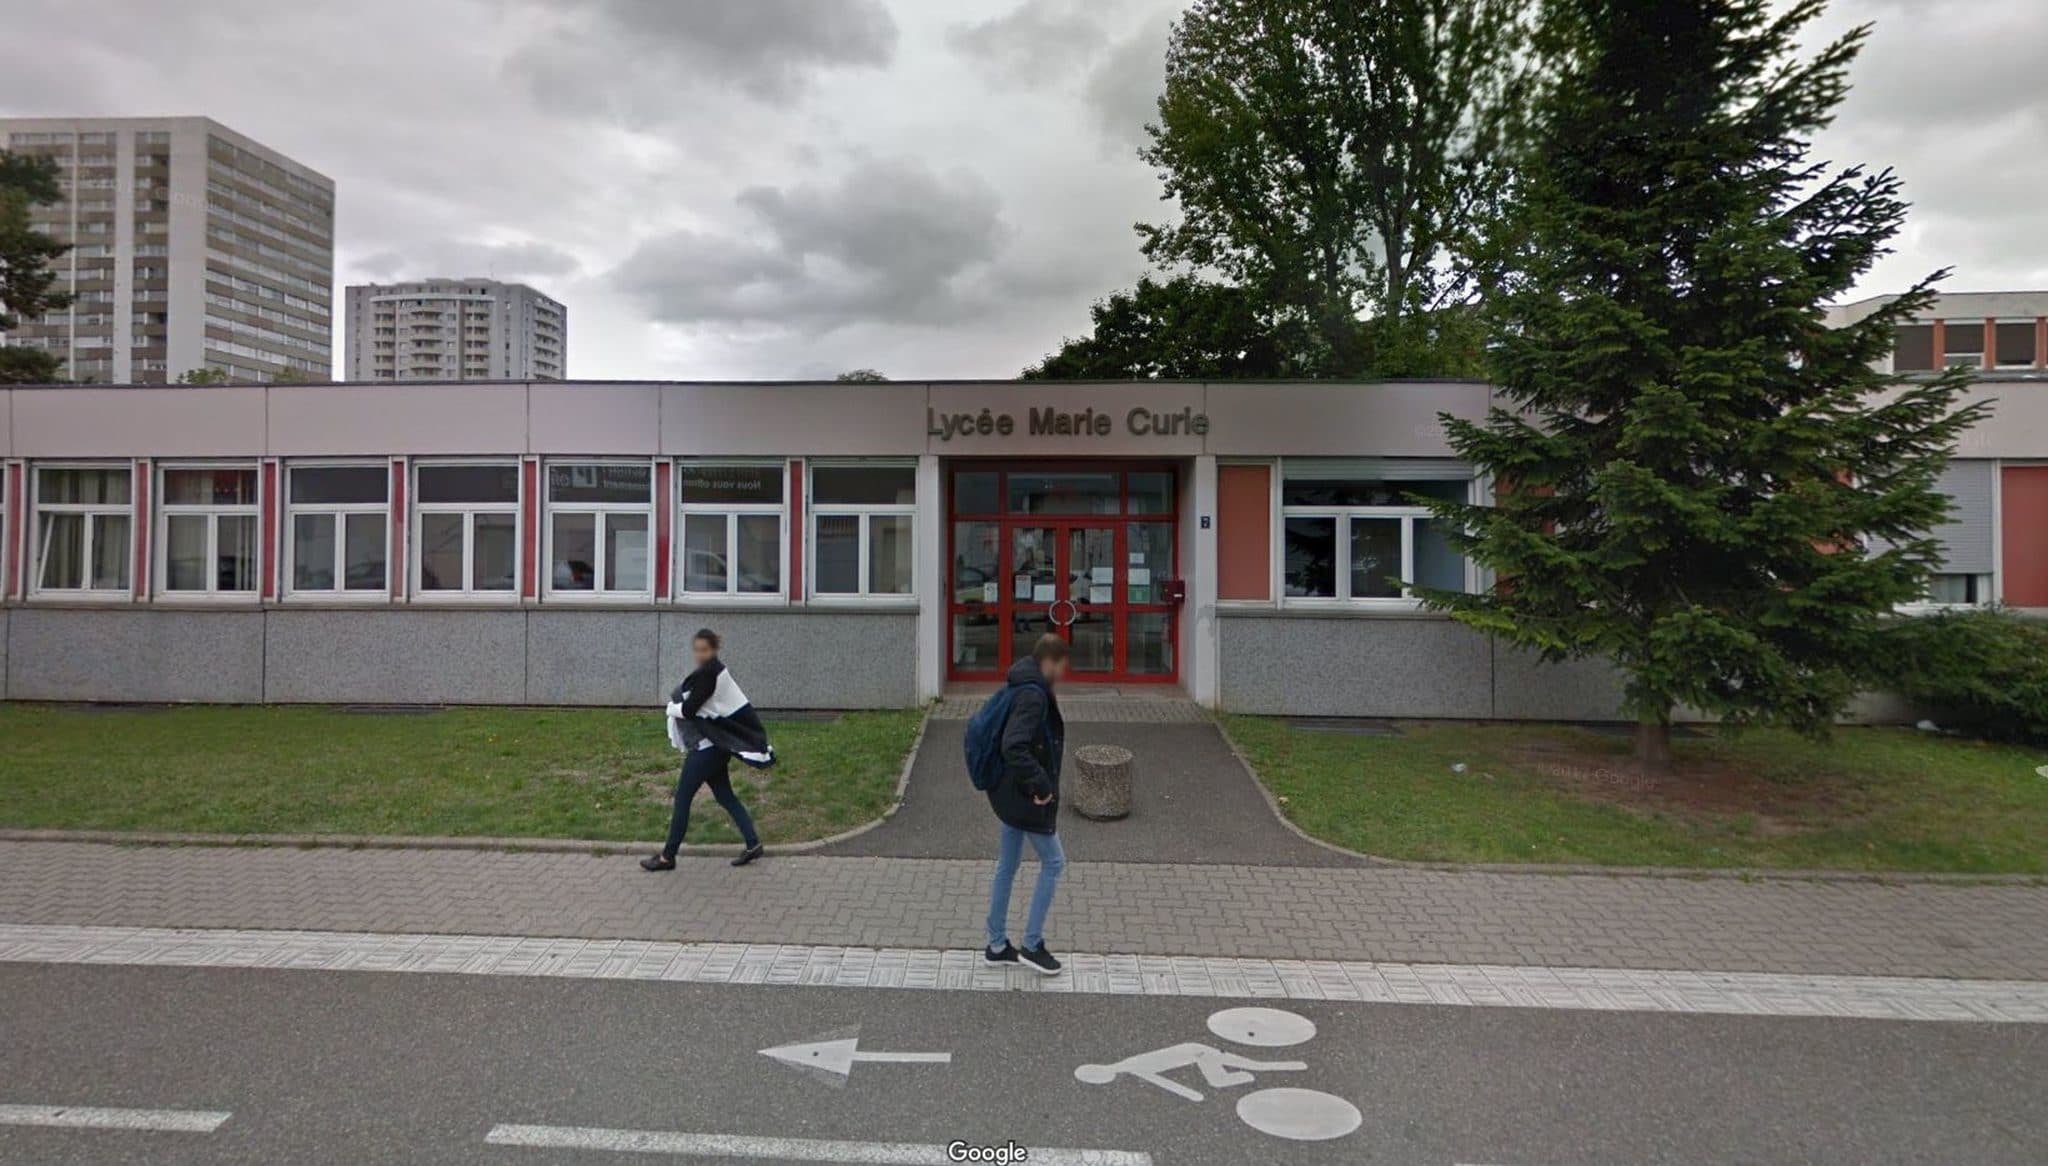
column 887, row 241
column 639, row 58
column 1122, row 92
column 1950, row 95
column 1035, row 43
column 507, row 261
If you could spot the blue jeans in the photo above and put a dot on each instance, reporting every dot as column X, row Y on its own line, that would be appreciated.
column 701, row 768
column 1052, row 860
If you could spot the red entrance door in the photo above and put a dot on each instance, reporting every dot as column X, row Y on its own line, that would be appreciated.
column 1082, row 553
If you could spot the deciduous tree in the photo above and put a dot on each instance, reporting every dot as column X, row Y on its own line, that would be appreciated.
column 1333, row 157
column 1177, row 329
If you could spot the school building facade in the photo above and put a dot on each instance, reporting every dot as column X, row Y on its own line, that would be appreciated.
column 858, row 545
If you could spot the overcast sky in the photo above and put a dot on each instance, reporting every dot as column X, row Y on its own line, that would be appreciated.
column 791, row 188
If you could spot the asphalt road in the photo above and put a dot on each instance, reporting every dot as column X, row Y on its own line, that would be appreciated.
column 365, row 1067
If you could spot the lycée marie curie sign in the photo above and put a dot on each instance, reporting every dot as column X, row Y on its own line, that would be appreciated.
column 1048, row 421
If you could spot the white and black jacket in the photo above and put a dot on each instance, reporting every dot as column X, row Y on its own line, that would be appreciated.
column 708, row 706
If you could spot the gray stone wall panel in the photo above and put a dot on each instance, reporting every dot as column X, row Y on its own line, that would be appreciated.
column 593, row 657
column 396, row 657
column 1352, row 667
column 142, row 656
column 798, row 659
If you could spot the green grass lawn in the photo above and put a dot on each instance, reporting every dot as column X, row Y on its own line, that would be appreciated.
column 533, row 773
column 1867, row 799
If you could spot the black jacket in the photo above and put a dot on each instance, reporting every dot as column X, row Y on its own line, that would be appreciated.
column 1034, row 739
column 708, row 705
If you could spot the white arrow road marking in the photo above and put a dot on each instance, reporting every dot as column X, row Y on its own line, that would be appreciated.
column 839, row 1056
column 779, row 1149
column 87, row 1117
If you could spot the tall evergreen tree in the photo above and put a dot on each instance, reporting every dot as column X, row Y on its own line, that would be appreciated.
column 26, row 259
column 1698, row 478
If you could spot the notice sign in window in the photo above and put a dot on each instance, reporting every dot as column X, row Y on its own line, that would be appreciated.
column 731, row 484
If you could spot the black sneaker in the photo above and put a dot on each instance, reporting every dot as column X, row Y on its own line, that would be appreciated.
column 750, row 854
column 1041, row 960
column 1008, row 955
column 658, row 862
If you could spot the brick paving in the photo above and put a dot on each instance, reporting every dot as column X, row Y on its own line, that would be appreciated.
column 1989, row 931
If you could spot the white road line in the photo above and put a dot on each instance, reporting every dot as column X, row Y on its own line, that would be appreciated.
column 790, row 965
column 780, row 1149
column 86, row 1117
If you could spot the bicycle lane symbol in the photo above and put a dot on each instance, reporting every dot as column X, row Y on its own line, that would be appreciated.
column 1306, row 1115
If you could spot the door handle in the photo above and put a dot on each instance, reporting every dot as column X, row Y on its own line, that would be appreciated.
column 1073, row 612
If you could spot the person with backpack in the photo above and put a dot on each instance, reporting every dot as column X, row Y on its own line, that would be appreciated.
column 1014, row 746
column 712, row 722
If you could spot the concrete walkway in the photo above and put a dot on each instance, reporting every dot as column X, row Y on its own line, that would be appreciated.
column 1193, row 801
column 1328, row 913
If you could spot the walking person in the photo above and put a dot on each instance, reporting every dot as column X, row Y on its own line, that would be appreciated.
column 711, row 721
column 1026, row 800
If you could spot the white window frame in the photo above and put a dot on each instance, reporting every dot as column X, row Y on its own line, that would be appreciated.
column 866, row 512
column 36, row 552
column 1343, row 515
column 1929, row 604
column 339, row 511
column 160, row 534
column 415, row 538
column 679, row 570
column 601, row 513
column 6, row 548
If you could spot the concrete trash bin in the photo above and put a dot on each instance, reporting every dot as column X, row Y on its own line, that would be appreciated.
column 1102, row 789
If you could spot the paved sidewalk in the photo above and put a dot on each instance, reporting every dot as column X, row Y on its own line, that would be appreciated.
column 1360, row 913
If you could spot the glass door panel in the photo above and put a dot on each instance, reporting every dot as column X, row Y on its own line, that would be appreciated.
column 1026, row 625
column 977, row 641
column 976, row 565
column 975, row 594
column 1151, row 560
column 1091, row 566
column 1149, row 650
column 1034, row 566
column 1093, row 634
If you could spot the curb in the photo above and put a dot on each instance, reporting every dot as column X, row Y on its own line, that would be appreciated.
column 590, row 846
column 1580, row 870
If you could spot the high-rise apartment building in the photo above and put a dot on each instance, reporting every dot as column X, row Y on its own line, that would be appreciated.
column 454, row 330
column 193, row 247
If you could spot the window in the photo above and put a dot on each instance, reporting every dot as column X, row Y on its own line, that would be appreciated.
column 206, row 532
column 1962, row 344
column 2016, row 345
column 863, row 541
column 732, row 528
column 83, row 536
column 1960, row 590
column 336, row 517
column 1352, row 531
column 468, row 530
column 600, row 518
column 1967, row 538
